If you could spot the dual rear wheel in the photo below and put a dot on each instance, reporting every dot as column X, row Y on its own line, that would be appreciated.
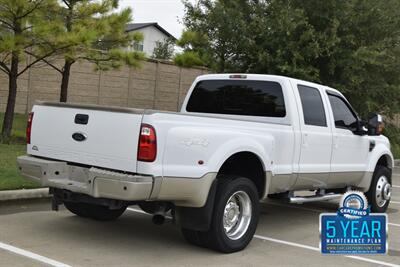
column 235, row 217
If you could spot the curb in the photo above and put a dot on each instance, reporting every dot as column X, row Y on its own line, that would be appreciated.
column 397, row 162
column 24, row 194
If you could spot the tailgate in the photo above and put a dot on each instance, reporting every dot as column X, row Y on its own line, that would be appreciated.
column 89, row 135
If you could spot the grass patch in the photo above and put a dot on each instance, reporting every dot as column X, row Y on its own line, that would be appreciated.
column 19, row 128
column 9, row 177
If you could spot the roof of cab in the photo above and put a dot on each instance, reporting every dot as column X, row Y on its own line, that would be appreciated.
column 258, row 76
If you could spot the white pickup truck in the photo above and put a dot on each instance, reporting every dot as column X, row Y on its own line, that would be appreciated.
column 238, row 139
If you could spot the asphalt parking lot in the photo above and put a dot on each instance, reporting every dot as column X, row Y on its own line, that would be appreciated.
column 287, row 235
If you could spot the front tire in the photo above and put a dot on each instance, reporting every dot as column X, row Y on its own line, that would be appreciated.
column 93, row 211
column 379, row 192
column 235, row 217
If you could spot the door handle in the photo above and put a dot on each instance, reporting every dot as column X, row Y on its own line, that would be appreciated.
column 305, row 140
column 335, row 142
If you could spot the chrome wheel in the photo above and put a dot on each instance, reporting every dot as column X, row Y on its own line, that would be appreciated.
column 237, row 215
column 383, row 191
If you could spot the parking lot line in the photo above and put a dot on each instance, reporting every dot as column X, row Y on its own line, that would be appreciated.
column 397, row 186
column 32, row 255
column 317, row 249
column 285, row 242
column 265, row 238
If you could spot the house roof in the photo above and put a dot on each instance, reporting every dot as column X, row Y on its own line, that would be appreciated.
column 137, row 26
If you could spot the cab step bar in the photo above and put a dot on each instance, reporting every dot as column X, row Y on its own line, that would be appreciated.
column 318, row 197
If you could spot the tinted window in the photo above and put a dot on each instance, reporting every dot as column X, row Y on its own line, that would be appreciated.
column 313, row 108
column 237, row 97
column 343, row 115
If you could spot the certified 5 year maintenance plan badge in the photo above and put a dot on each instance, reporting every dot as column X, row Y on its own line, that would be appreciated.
column 353, row 229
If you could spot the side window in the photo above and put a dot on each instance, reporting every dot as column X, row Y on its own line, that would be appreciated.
column 343, row 115
column 313, row 107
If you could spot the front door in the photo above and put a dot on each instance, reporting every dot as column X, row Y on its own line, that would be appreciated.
column 350, row 151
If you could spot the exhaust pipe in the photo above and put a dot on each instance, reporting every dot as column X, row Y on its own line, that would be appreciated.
column 158, row 219
column 159, row 214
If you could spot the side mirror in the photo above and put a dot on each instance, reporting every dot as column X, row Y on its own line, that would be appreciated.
column 360, row 128
column 375, row 124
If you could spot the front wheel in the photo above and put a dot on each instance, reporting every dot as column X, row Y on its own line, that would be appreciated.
column 235, row 217
column 380, row 189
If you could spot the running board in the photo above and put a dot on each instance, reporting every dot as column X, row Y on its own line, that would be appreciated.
column 300, row 200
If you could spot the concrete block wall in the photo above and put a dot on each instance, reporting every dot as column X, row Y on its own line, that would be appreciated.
column 156, row 85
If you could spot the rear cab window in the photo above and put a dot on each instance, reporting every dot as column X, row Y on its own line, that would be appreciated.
column 313, row 107
column 238, row 97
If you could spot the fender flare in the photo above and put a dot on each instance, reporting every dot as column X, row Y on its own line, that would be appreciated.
column 379, row 152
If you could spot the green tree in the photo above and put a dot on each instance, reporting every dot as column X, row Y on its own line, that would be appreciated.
column 195, row 50
column 361, row 50
column 164, row 50
column 352, row 45
column 24, row 28
column 250, row 36
column 214, row 32
column 94, row 33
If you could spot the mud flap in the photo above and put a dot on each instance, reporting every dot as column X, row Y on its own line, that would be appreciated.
column 198, row 219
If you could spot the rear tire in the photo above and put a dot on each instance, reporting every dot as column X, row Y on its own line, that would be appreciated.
column 193, row 237
column 235, row 217
column 93, row 211
column 79, row 209
column 378, row 190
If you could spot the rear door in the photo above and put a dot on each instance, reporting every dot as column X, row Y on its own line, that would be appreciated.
column 316, row 137
column 94, row 136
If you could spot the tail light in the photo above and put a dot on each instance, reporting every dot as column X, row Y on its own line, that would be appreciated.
column 147, row 148
column 29, row 128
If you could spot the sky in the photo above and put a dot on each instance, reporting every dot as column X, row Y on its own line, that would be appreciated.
column 167, row 13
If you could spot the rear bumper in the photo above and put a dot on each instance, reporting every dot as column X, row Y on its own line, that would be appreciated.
column 100, row 183
column 94, row 182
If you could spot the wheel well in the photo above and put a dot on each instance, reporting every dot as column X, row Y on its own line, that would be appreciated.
column 246, row 164
column 384, row 161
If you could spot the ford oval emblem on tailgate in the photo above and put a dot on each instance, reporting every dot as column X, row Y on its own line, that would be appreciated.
column 79, row 137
